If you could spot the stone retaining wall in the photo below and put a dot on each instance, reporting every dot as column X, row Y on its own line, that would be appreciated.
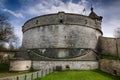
column 20, row 65
column 30, row 76
column 64, row 65
column 110, row 66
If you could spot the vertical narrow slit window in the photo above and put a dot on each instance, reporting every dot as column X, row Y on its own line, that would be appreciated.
column 36, row 21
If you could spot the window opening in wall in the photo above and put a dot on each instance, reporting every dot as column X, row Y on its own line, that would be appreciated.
column 61, row 21
column 58, row 68
column 36, row 21
column 27, row 66
column 65, row 37
column 115, row 72
column 67, row 67
column 85, row 21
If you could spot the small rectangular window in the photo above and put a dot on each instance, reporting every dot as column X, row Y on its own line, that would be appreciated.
column 65, row 37
column 36, row 21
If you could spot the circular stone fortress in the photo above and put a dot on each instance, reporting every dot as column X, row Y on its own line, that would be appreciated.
column 63, row 40
column 61, row 35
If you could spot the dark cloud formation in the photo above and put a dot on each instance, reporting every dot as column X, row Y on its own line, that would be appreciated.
column 12, row 4
column 22, row 10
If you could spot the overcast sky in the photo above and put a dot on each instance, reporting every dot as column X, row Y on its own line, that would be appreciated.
column 20, row 11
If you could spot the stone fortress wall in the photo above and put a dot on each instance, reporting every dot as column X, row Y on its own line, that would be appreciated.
column 110, row 66
column 61, row 35
column 109, row 46
column 62, row 39
column 66, row 65
column 61, row 30
column 66, row 41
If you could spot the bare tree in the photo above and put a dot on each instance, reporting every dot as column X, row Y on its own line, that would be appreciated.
column 6, row 31
column 117, row 33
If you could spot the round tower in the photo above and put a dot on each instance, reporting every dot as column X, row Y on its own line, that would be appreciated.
column 60, row 40
column 61, row 35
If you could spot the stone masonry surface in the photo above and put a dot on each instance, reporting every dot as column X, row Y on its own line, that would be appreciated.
column 110, row 66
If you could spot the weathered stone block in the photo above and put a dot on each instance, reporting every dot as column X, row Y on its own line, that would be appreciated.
column 28, row 76
column 110, row 66
column 20, row 65
column 9, row 78
column 39, row 73
column 35, row 75
column 21, row 77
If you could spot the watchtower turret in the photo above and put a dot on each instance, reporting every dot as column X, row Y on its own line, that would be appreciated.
column 93, row 15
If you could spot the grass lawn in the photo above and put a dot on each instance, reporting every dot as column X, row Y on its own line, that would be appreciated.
column 4, row 71
column 79, row 75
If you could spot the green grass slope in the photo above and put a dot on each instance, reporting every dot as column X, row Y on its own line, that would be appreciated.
column 79, row 75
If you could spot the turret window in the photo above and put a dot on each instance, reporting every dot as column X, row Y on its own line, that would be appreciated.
column 36, row 21
column 61, row 21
